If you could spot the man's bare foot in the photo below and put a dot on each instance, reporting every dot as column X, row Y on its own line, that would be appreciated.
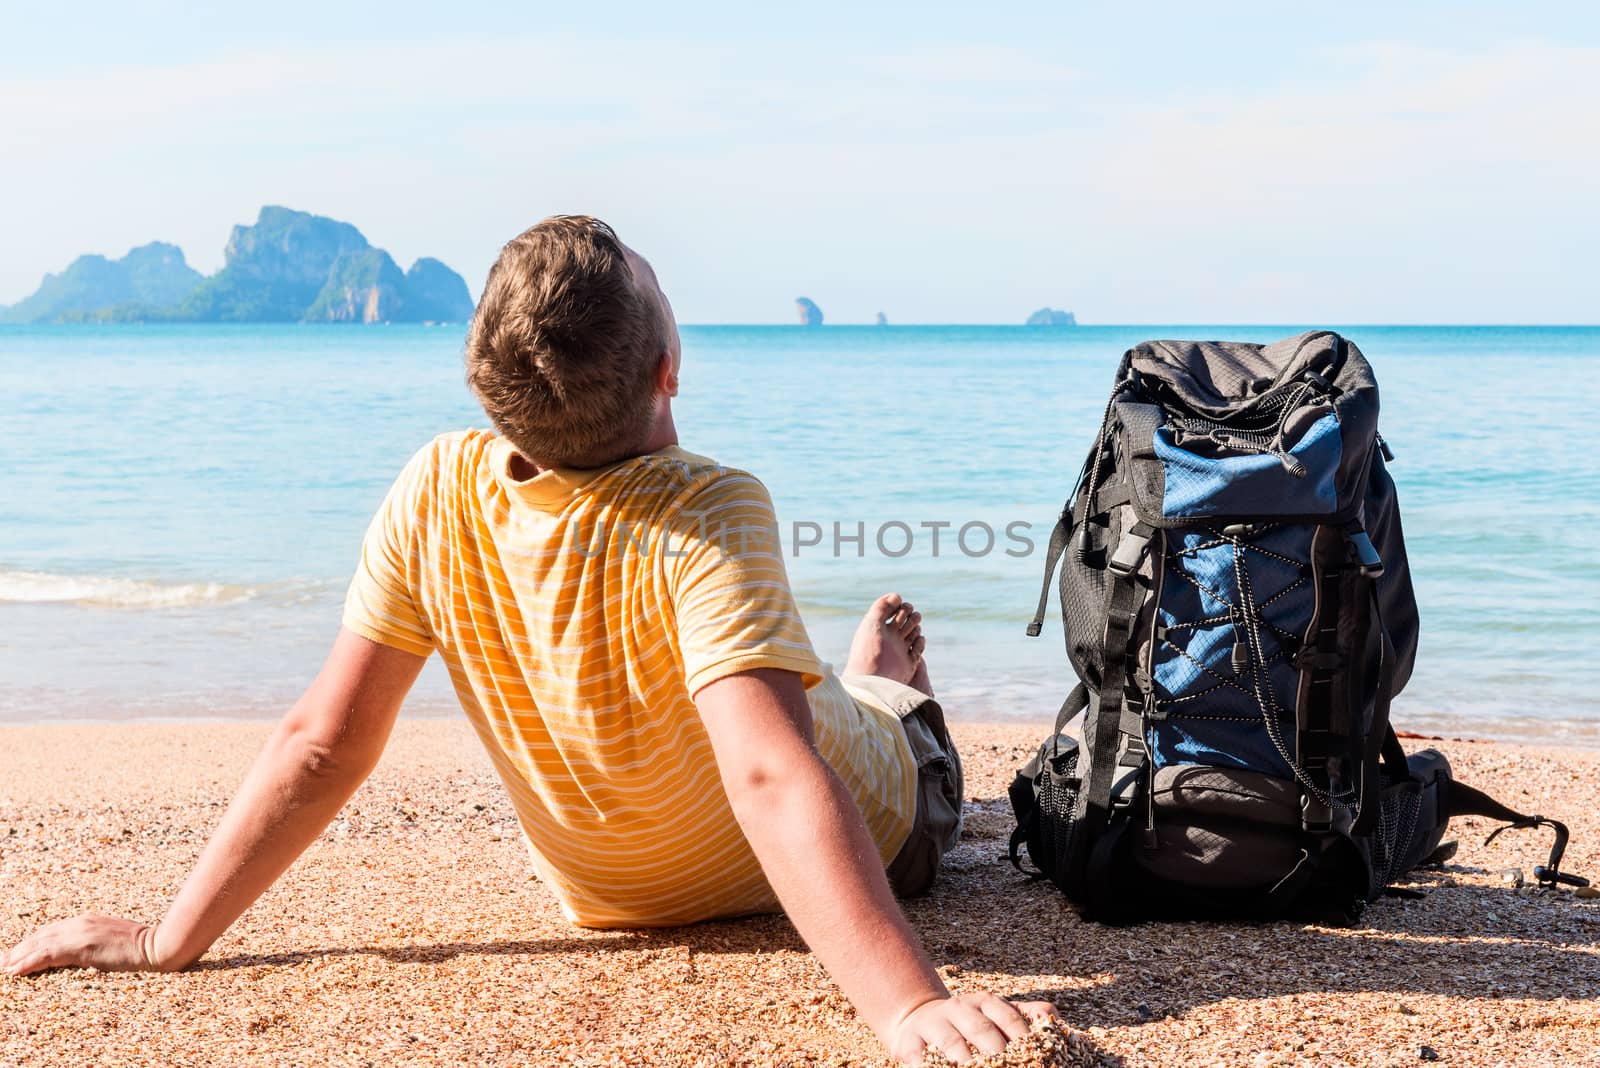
column 919, row 677
column 889, row 643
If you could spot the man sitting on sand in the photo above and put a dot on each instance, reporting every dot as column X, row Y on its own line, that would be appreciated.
column 616, row 618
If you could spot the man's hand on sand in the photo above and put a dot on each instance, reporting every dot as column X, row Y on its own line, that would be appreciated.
column 964, row 1025
column 104, row 942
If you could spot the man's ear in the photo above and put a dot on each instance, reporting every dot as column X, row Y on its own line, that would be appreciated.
column 666, row 377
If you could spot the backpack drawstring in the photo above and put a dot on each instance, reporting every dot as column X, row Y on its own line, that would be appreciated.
column 1290, row 463
column 1248, row 612
column 1247, row 441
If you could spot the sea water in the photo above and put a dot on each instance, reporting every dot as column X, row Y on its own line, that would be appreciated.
column 181, row 507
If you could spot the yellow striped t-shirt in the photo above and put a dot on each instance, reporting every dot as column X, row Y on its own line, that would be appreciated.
column 578, row 612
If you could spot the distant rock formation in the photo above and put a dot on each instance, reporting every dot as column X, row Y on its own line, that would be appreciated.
column 435, row 293
column 149, row 277
column 362, row 287
column 1052, row 317
column 883, row 320
column 276, row 270
column 810, row 314
column 290, row 266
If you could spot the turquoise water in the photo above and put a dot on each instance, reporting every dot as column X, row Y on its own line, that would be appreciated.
column 180, row 507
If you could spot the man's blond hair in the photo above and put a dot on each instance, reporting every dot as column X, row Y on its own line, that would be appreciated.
column 564, row 346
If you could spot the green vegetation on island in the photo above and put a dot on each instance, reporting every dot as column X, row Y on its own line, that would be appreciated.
column 149, row 277
column 290, row 266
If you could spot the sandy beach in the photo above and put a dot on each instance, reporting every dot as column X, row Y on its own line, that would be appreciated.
column 414, row 932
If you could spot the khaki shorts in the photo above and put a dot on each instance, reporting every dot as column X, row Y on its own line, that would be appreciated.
column 940, row 788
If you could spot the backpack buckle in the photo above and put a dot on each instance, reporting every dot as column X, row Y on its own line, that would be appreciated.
column 1130, row 549
column 1315, row 816
column 1367, row 558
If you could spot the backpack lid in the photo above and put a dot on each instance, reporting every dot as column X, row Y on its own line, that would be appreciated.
column 1291, row 428
column 1218, row 378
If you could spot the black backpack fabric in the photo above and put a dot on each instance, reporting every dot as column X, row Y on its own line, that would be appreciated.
column 1237, row 606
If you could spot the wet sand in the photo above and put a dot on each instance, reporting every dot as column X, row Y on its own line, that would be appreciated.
column 414, row 932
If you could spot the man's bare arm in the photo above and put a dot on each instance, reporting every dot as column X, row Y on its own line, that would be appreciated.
column 323, row 749
column 816, row 852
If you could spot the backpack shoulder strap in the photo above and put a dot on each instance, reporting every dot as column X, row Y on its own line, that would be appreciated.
column 1382, row 746
column 1111, row 718
column 1077, row 700
column 1052, row 558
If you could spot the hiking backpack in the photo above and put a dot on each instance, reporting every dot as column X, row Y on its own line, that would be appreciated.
column 1238, row 609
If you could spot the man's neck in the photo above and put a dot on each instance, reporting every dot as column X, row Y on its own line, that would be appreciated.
column 662, row 436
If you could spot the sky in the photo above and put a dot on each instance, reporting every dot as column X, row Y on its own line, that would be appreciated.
column 1152, row 163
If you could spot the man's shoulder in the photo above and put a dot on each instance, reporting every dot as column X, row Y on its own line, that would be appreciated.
column 450, row 452
column 468, row 444
column 445, row 465
column 695, row 479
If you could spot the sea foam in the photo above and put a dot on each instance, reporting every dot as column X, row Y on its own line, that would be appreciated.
column 35, row 587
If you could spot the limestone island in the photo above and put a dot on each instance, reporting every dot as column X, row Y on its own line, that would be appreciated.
column 1052, row 317
column 810, row 314
column 291, row 266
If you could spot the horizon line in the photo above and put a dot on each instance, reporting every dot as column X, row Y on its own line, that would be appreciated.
column 866, row 325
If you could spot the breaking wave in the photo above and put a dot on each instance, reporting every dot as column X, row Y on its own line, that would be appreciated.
column 35, row 587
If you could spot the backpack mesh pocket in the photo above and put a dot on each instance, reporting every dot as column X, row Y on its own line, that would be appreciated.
column 1045, row 800
column 1058, row 806
column 1392, row 838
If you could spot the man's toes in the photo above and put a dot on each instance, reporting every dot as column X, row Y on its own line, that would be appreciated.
column 885, row 607
column 909, row 622
column 898, row 619
column 918, row 644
